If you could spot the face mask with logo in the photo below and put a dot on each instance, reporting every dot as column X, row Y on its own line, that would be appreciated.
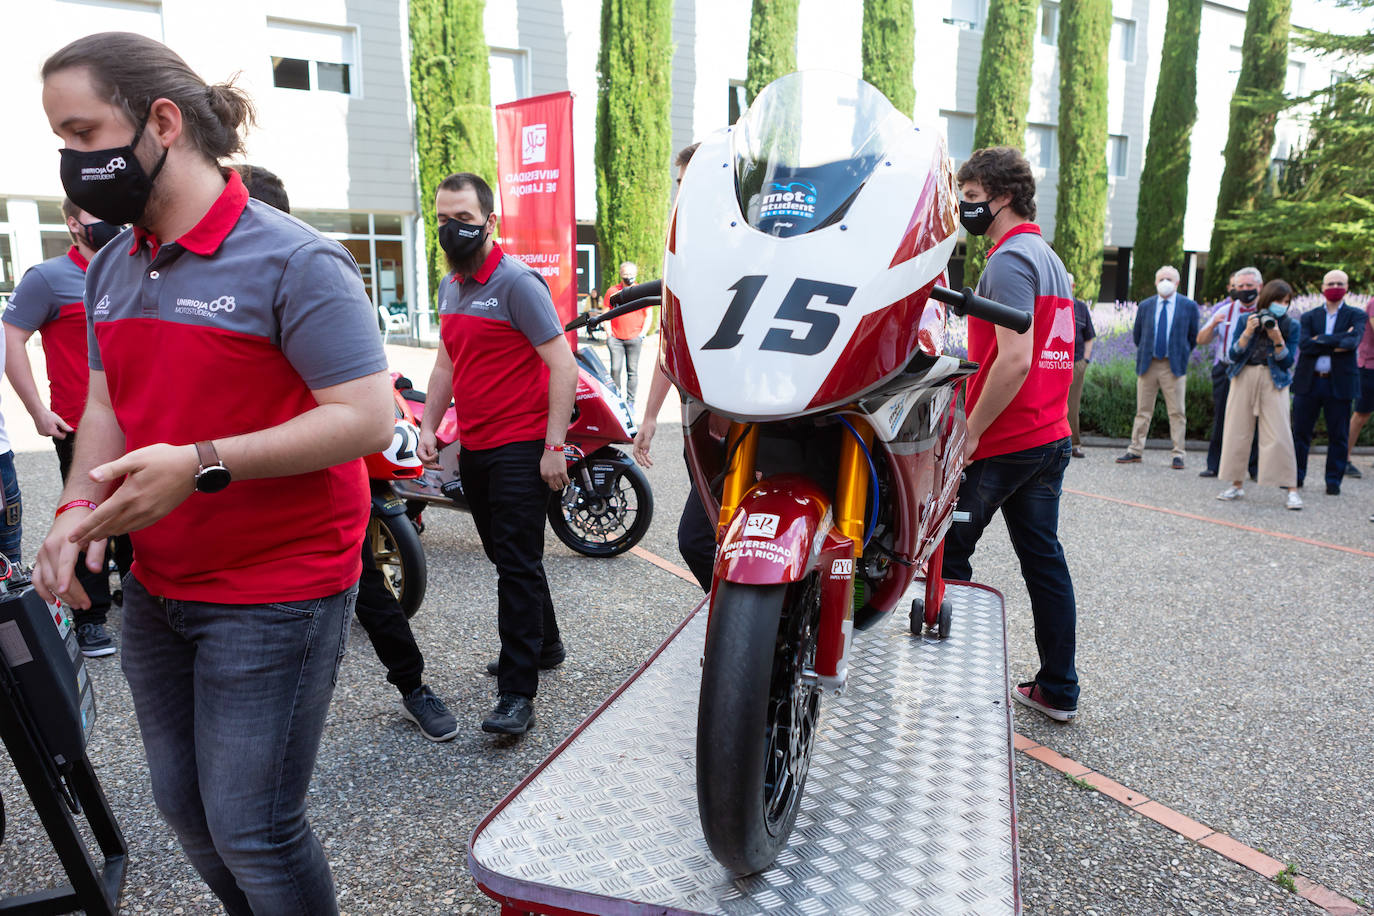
column 1247, row 295
column 110, row 183
column 1334, row 293
column 461, row 241
column 977, row 216
column 1165, row 288
column 98, row 234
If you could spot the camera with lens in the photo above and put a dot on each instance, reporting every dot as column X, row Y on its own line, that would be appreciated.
column 1267, row 321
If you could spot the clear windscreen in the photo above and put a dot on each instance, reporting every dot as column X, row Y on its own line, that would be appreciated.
column 806, row 146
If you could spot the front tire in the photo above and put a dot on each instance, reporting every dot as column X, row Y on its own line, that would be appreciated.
column 756, row 724
column 397, row 553
column 604, row 524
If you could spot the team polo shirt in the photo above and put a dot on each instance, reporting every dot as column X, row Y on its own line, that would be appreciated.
column 226, row 331
column 49, row 300
column 491, row 323
column 1024, row 272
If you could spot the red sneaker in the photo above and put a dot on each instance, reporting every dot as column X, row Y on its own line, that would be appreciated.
column 1029, row 694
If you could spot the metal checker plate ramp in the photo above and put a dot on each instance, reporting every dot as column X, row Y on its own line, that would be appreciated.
column 908, row 807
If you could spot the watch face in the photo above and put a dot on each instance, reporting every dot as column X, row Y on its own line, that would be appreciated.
column 212, row 479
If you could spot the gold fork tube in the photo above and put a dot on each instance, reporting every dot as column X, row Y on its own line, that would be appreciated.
column 739, row 476
column 851, row 487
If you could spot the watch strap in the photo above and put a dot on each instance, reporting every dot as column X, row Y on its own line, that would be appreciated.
column 206, row 455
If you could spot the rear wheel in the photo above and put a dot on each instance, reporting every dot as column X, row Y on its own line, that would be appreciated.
column 608, row 520
column 398, row 555
column 756, row 724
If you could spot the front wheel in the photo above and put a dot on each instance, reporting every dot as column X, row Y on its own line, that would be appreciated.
column 756, row 724
column 610, row 517
column 397, row 553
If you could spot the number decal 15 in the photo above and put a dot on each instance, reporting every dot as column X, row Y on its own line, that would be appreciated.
column 794, row 307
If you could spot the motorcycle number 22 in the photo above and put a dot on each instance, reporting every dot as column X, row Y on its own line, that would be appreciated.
column 795, row 307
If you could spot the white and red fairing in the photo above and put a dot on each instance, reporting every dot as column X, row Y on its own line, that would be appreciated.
column 890, row 246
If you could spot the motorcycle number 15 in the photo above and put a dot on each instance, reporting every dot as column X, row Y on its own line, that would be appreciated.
column 795, row 307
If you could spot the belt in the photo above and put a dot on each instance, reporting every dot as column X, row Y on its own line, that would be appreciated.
column 1323, row 375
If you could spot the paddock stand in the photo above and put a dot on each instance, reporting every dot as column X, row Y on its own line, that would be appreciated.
column 909, row 806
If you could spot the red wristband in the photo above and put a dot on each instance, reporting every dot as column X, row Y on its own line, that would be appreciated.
column 74, row 504
column 554, row 448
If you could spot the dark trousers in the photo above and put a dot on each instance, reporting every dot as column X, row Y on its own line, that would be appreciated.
column 97, row 585
column 1221, row 387
column 1026, row 485
column 1337, row 411
column 387, row 627
column 11, row 511
column 509, row 500
column 696, row 539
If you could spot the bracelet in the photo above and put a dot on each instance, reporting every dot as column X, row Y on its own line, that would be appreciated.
column 553, row 448
column 74, row 504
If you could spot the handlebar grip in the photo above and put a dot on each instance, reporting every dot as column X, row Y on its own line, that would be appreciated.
column 647, row 289
column 966, row 302
column 633, row 306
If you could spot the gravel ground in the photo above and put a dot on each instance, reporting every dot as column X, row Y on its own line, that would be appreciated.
column 1220, row 676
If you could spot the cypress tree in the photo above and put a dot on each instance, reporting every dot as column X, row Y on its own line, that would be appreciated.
column 1004, row 82
column 451, row 88
column 1254, row 110
column 1164, row 179
column 1085, row 32
column 772, row 43
column 633, row 134
column 889, row 50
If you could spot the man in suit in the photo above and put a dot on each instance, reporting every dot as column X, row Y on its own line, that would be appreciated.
column 1165, row 333
column 1325, row 378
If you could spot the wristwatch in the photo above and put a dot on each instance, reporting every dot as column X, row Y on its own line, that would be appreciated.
column 213, row 476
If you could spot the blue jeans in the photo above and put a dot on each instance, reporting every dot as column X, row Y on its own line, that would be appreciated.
column 1026, row 485
column 12, row 515
column 625, row 353
column 231, row 703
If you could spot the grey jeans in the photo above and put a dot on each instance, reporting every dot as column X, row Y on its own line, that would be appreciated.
column 625, row 353
column 231, row 702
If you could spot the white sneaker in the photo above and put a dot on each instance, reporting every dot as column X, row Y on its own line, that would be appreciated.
column 1294, row 500
column 1231, row 493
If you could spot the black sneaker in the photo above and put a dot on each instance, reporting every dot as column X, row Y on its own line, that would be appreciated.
column 551, row 656
column 1352, row 471
column 95, row 641
column 1207, row 472
column 513, row 715
column 426, row 710
column 1128, row 458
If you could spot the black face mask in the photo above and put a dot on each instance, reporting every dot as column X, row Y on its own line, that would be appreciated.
column 1247, row 295
column 461, row 241
column 110, row 183
column 977, row 216
column 98, row 234
column 628, row 281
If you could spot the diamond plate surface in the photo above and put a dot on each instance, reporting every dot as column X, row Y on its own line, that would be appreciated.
column 907, row 809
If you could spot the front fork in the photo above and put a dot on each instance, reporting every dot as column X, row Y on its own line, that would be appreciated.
column 842, row 548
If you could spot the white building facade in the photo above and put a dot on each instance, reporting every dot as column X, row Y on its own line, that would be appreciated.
column 330, row 79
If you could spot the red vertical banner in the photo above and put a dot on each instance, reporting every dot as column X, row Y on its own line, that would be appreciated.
column 534, row 153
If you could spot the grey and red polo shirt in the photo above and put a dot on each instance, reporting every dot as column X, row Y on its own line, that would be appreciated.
column 49, row 300
column 226, row 331
column 1024, row 272
column 491, row 323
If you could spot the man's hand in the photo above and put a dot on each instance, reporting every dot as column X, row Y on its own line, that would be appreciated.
column 54, row 569
column 971, row 440
column 50, row 424
column 642, row 440
column 553, row 467
column 157, row 479
column 428, row 449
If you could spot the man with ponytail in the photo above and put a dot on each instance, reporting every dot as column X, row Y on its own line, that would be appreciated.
column 236, row 379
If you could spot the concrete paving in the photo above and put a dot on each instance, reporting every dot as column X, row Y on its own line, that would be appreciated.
column 1223, row 673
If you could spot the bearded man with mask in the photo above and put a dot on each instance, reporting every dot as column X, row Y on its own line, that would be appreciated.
column 513, row 380
column 1241, row 292
column 49, row 300
column 1165, row 333
column 1018, row 441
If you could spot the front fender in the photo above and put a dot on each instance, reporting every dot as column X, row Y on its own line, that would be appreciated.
column 776, row 533
column 385, row 502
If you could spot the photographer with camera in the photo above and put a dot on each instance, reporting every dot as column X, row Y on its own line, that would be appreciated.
column 1261, row 370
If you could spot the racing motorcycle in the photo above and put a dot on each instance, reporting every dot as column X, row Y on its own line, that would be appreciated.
column 803, row 300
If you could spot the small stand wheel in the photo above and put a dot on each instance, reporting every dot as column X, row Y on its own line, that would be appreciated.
column 918, row 616
column 945, row 619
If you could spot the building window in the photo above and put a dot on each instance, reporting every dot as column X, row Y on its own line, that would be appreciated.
column 958, row 133
column 377, row 242
column 967, row 14
column 313, row 57
column 738, row 101
column 510, row 74
column 1118, row 148
column 1123, row 39
column 1297, row 70
column 1042, row 146
column 1049, row 24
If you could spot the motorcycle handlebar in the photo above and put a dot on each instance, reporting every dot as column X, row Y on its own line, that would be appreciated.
column 629, row 299
column 965, row 302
